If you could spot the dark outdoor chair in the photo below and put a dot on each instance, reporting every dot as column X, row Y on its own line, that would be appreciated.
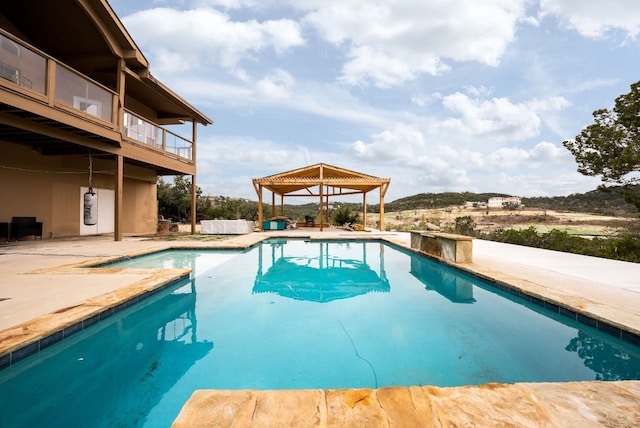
column 4, row 231
column 25, row 226
column 309, row 221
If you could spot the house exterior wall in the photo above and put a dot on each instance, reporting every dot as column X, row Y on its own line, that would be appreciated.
column 48, row 187
column 61, row 108
column 499, row 202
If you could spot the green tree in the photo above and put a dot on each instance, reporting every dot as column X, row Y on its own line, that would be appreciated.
column 174, row 200
column 610, row 147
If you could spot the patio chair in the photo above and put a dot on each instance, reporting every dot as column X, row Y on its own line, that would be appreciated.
column 309, row 221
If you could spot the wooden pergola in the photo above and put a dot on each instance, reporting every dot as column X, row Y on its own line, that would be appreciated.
column 323, row 181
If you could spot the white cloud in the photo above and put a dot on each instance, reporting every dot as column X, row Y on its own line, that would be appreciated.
column 389, row 43
column 400, row 143
column 497, row 118
column 543, row 154
column 186, row 38
column 595, row 18
column 276, row 86
column 543, row 184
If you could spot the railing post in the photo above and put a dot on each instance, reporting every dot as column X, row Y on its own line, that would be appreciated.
column 118, row 104
column 51, row 82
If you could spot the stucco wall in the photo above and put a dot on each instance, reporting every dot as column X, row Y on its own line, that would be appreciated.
column 48, row 187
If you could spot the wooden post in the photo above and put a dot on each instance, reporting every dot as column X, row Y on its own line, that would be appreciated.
column 259, row 190
column 321, row 211
column 383, row 191
column 282, row 205
column 381, row 210
column 326, row 204
column 364, row 210
column 193, row 204
column 117, row 235
column 194, row 193
column 118, row 105
column 273, row 203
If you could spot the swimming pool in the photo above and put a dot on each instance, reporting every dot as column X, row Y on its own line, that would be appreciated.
column 298, row 314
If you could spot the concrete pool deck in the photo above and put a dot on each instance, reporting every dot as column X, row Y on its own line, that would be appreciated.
column 46, row 285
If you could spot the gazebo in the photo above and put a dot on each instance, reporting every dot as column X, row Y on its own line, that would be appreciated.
column 322, row 181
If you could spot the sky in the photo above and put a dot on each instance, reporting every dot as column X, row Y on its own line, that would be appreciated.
column 437, row 95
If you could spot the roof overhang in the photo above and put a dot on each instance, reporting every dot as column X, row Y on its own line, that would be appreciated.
column 311, row 180
column 88, row 36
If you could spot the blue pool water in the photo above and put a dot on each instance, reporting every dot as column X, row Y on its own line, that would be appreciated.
column 296, row 314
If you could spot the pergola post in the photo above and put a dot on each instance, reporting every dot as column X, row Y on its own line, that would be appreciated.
column 321, row 213
column 383, row 191
column 259, row 192
column 381, row 211
column 326, row 204
column 273, row 204
column 282, row 205
column 364, row 210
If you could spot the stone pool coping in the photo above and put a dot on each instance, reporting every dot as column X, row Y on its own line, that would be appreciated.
column 27, row 337
column 571, row 404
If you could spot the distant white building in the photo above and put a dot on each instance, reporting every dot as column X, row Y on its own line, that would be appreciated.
column 499, row 202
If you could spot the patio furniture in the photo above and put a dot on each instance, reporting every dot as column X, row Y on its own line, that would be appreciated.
column 309, row 221
column 4, row 231
column 25, row 226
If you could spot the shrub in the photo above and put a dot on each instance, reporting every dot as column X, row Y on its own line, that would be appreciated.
column 465, row 226
column 344, row 215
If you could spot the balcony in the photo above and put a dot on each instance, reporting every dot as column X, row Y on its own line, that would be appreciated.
column 141, row 131
column 41, row 82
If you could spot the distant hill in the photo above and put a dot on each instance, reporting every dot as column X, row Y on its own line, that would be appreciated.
column 437, row 200
column 606, row 202
column 609, row 202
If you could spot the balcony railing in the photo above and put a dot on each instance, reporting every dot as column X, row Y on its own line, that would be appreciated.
column 26, row 69
column 141, row 130
column 22, row 66
column 74, row 90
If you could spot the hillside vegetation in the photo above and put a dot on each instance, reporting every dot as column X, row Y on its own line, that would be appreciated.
column 604, row 202
column 597, row 223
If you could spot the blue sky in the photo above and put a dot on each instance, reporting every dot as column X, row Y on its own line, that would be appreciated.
column 456, row 95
